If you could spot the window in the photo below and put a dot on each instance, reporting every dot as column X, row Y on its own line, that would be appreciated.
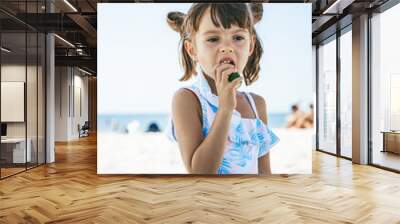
column 346, row 94
column 327, row 96
column 385, row 84
column 22, row 74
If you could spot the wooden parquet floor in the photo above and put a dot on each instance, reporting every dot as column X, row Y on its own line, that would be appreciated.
column 70, row 191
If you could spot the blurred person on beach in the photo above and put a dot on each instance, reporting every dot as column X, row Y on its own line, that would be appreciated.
column 219, row 129
column 299, row 119
column 153, row 127
column 307, row 120
column 294, row 118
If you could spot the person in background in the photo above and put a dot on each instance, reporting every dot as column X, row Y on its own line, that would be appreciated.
column 307, row 121
column 293, row 120
column 153, row 127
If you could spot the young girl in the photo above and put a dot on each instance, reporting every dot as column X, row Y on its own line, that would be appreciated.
column 219, row 129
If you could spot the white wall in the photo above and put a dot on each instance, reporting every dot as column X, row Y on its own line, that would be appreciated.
column 70, row 83
column 79, row 117
column 12, row 73
column 61, row 103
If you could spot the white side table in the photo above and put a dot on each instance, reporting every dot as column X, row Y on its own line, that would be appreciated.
column 19, row 149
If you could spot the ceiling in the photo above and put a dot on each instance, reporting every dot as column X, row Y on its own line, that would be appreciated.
column 329, row 16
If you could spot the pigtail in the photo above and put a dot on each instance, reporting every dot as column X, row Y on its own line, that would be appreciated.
column 257, row 11
column 252, row 69
column 175, row 21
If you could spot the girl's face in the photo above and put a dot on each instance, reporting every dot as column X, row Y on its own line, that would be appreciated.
column 213, row 45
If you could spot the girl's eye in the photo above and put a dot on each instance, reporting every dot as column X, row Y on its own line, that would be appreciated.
column 212, row 39
column 215, row 39
column 238, row 38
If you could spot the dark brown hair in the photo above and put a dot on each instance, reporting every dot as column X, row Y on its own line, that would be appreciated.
column 241, row 14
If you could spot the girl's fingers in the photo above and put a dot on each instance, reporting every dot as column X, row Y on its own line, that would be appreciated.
column 217, row 77
column 219, row 69
column 217, row 74
column 237, row 82
column 226, row 73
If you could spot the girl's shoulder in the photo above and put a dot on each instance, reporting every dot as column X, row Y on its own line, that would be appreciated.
column 185, row 99
column 258, row 100
column 261, row 106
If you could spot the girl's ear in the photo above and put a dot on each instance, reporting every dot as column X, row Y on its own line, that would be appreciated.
column 252, row 44
column 175, row 21
column 257, row 11
column 190, row 49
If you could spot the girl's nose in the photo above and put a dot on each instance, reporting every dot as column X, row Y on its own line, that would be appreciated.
column 224, row 50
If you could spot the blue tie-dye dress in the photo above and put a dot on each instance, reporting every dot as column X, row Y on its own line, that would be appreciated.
column 248, row 138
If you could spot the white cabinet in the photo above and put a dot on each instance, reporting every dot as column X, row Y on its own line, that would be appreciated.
column 18, row 149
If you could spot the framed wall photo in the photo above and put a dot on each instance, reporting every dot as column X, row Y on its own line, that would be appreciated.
column 12, row 101
column 140, row 70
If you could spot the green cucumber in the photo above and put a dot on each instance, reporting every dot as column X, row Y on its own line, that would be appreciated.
column 233, row 76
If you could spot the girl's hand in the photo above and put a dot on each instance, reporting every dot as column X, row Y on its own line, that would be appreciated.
column 226, row 90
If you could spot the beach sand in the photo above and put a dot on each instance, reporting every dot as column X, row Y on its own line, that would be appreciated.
column 293, row 153
column 154, row 153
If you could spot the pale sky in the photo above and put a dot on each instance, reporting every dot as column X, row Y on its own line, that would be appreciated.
column 138, row 66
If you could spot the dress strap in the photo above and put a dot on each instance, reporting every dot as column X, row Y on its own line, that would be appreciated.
column 252, row 103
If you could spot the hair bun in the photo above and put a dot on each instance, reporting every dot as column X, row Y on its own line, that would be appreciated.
column 175, row 20
column 257, row 11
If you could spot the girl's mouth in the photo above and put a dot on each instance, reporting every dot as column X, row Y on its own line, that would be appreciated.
column 227, row 61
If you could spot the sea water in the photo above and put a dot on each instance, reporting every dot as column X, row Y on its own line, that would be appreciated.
column 127, row 123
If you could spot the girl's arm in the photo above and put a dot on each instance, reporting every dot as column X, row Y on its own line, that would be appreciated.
column 200, row 155
column 263, row 162
column 204, row 154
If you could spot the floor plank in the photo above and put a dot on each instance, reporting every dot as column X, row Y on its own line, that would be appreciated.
column 70, row 191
